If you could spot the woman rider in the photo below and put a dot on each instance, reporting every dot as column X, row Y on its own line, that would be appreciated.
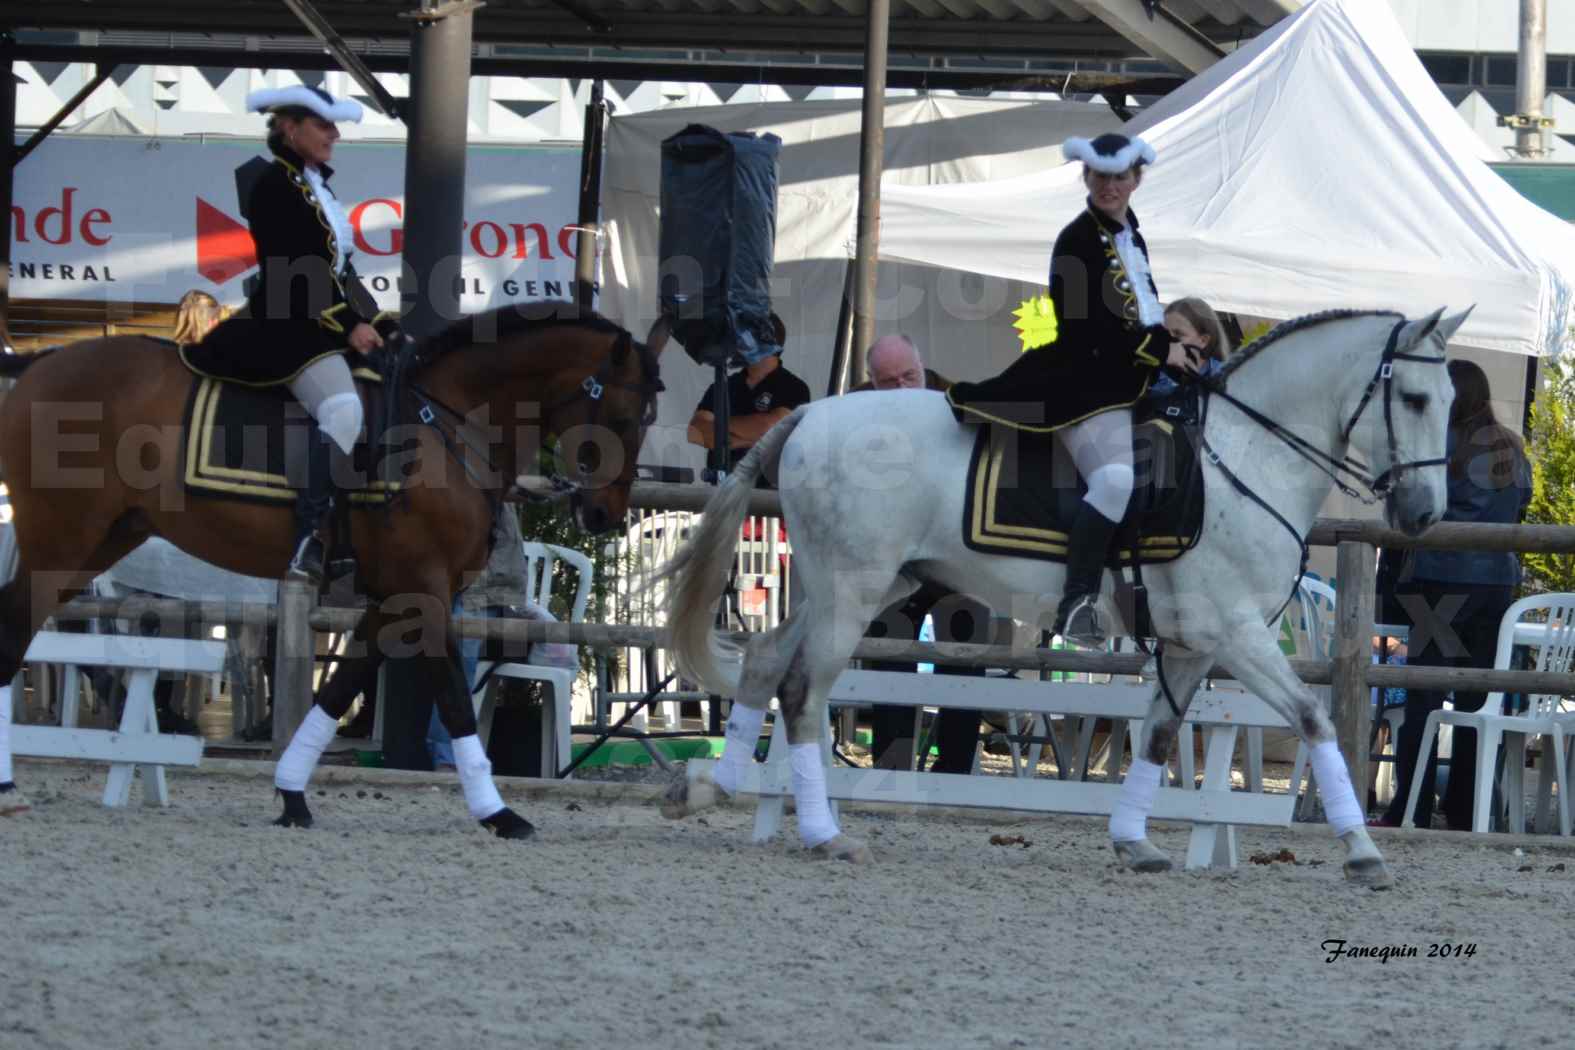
column 307, row 305
column 1111, row 340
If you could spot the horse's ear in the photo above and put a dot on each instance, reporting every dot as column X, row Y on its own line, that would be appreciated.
column 1414, row 332
column 1450, row 325
column 656, row 339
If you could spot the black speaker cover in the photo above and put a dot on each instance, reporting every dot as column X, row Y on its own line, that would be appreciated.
column 718, row 238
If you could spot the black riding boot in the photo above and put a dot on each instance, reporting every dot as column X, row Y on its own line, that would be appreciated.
column 1077, row 619
column 313, row 501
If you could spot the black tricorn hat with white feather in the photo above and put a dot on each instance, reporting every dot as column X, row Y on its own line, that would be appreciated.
column 310, row 98
column 1111, row 153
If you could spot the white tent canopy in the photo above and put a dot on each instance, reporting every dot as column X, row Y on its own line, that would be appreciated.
column 1318, row 167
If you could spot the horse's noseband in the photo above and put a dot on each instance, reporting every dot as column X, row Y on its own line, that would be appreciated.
column 591, row 389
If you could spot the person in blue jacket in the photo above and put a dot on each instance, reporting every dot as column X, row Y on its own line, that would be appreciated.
column 1194, row 324
column 1465, row 594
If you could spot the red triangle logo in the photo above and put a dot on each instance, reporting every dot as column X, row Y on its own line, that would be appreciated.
column 224, row 246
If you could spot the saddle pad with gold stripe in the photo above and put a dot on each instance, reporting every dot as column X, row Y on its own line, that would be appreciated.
column 1023, row 493
column 249, row 443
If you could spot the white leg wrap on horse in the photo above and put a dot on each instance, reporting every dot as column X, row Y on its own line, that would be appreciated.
column 1334, row 784
column 738, row 749
column 5, row 734
column 306, row 747
column 340, row 417
column 1110, row 489
column 1129, row 816
column 815, row 822
column 475, row 777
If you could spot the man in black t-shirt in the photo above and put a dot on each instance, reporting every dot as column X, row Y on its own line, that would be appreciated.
column 759, row 396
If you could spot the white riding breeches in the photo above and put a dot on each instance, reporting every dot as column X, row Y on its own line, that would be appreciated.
column 1101, row 447
column 326, row 390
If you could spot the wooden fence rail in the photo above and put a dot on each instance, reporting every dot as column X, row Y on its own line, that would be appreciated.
column 1351, row 672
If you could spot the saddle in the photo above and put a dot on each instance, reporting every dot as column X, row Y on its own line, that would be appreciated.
column 1023, row 490
column 249, row 443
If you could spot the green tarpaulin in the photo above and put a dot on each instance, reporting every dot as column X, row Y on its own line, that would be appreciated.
column 1549, row 186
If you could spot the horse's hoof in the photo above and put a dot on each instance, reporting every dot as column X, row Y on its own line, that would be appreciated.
column 507, row 824
column 12, row 801
column 1371, row 872
column 1141, row 856
column 685, row 796
column 295, row 814
column 843, row 847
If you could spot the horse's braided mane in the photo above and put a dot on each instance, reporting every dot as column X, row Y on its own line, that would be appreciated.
column 491, row 326
column 1291, row 327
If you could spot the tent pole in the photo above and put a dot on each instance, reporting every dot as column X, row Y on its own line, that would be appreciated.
column 589, row 232
column 842, row 348
column 872, row 154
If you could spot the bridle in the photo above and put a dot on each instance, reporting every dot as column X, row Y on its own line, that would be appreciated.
column 1378, row 486
column 556, row 484
column 591, row 389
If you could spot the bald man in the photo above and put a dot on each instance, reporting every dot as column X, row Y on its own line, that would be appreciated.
column 893, row 363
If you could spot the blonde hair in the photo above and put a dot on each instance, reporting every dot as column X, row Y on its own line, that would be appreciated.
column 1201, row 316
column 195, row 317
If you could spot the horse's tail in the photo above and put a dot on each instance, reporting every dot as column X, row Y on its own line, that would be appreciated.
column 697, row 574
column 13, row 365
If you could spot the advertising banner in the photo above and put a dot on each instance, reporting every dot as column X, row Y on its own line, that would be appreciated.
column 145, row 220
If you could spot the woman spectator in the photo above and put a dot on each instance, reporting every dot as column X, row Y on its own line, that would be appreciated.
column 197, row 315
column 1466, row 591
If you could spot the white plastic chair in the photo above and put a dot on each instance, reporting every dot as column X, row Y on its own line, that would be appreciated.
column 557, row 717
column 1554, row 614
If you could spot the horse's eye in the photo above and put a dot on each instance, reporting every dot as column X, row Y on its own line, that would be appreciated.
column 1415, row 402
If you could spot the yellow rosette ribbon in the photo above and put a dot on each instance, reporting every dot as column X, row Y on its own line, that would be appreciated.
column 1035, row 322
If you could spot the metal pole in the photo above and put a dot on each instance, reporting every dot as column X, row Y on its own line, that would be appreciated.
column 7, row 163
column 872, row 155
column 435, row 166
column 585, row 244
column 1531, row 79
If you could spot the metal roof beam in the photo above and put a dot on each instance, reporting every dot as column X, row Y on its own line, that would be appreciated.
column 819, row 75
column 1158, row 31
column 348, row 60
column 101, row 74
column 683, row 30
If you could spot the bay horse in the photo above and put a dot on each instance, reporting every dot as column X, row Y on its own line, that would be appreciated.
column 89, row 444
column 1309, row 394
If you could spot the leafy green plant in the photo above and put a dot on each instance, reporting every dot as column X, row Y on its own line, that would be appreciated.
column 1550, row 444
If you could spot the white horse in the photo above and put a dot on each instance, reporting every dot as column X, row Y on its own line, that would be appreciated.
column 872, row 492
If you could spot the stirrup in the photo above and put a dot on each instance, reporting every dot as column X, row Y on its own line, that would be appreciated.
column 307, row 563
column 1083, row 625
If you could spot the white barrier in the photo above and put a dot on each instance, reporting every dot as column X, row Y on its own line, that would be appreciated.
column 1214, row 809
column 137, row 742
